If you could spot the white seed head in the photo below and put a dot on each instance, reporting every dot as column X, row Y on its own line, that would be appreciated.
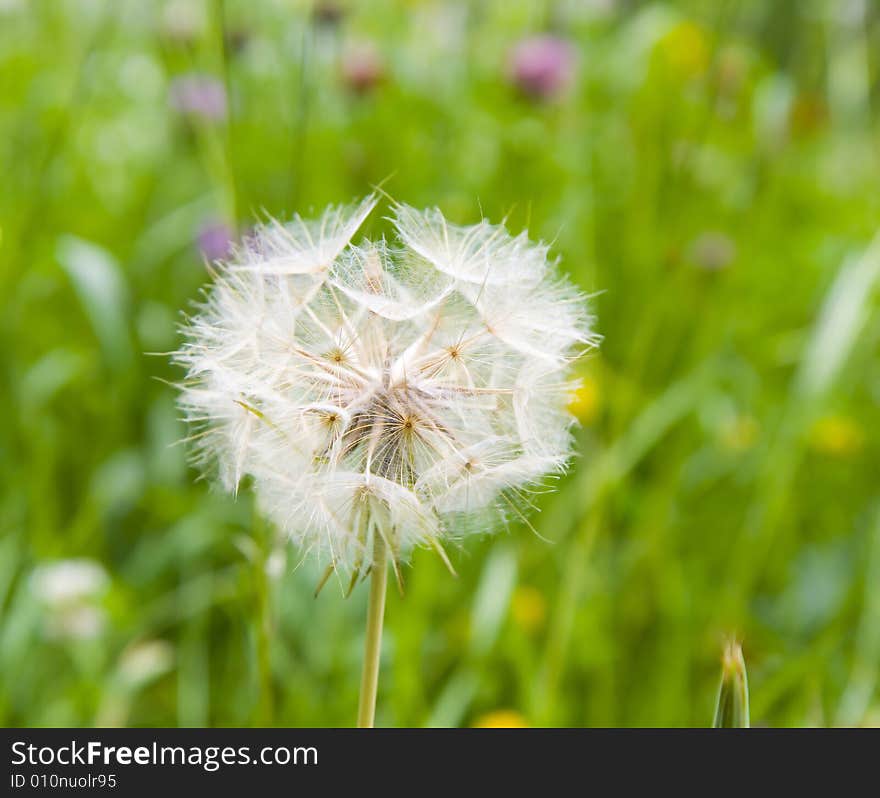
column 412, row 391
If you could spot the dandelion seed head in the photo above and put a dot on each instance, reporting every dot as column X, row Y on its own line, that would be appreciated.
column 413, row 389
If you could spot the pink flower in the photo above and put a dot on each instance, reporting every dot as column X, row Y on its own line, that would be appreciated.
column 362, row 68
column 215, row 240
column 199, row 96
column 542, row 66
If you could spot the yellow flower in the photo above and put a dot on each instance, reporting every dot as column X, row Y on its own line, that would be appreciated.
column 837, row 436
column 808, row 114
column 529, row 608
column 739, row 433
column 501, row 719
column 685, row 49
column 585, row 401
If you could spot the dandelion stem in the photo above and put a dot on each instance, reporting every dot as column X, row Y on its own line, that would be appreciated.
column 263, row 587
column 373, row 646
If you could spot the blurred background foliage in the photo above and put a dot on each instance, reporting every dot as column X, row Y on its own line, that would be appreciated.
column 709, row 171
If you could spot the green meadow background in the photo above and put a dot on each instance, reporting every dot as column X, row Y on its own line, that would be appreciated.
column 709, row 172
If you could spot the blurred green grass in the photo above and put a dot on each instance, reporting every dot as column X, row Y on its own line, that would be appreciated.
column 710, row 174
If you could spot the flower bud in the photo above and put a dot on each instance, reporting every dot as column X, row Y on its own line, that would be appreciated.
column 732, row 707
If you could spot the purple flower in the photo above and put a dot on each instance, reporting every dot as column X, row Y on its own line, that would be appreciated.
column 362, row 67
column 198, row 95
column 215, row 240
column 712, row 251
column 542, row 66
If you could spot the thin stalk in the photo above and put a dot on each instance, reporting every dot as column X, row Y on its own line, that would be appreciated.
column 266, row 708
column 228, row 148
column 263, row 596
column 373, row 646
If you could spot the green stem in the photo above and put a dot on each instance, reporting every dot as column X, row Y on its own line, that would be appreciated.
column 373, row 646
column 266, row 704
column 264, row 661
